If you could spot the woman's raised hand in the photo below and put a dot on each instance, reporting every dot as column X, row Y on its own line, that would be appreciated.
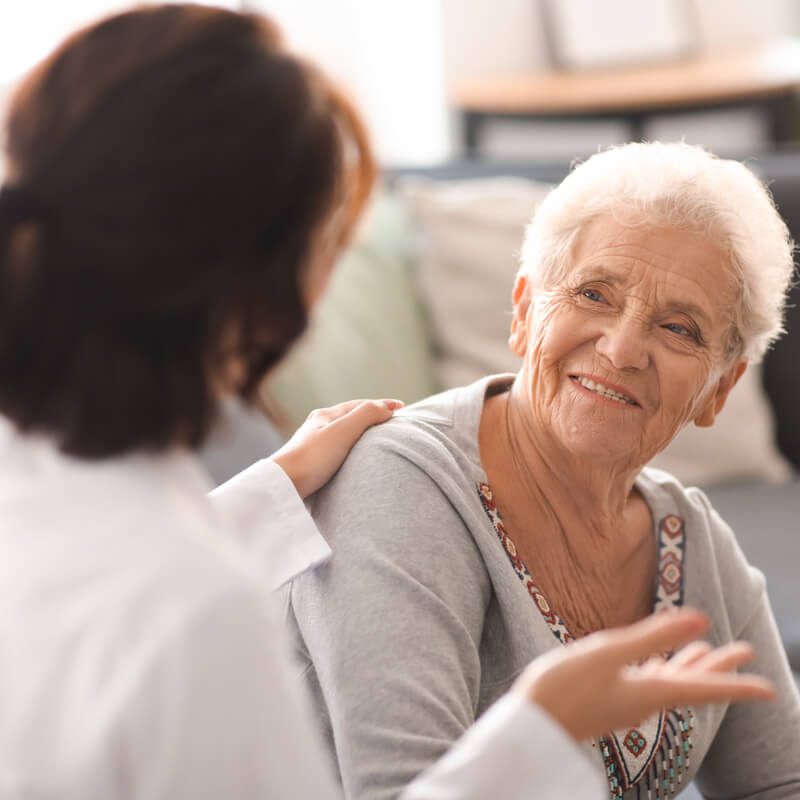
column 320, row 445
column 590, row 687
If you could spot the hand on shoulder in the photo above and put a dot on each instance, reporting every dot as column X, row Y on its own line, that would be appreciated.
column 320, row 445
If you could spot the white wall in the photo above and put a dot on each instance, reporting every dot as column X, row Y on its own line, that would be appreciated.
column 491, row 39
column 30, row 29
column 728, row 23
column 389, row 55
column 398, row 58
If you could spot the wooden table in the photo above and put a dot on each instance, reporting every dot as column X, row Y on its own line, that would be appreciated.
column 765, row 76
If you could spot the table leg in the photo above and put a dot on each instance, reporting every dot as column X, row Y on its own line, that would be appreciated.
column 782, row 113
column 636, row 124
column 471, row 122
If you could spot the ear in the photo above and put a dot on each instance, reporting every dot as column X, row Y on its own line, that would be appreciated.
column 716, row 399
column 521, row 297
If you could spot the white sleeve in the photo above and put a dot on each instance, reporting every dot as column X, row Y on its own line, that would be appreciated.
column 514, row 751
column 269, row 520
column 223, row 715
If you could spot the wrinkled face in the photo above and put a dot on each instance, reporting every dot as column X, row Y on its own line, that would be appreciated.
column 629, row 346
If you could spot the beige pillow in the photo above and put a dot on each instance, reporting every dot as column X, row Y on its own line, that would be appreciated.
column 469, row 236
column 740, row 444
column 470, row 233
column 367, row 337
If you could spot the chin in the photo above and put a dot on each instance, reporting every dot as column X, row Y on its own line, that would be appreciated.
column 604, row 447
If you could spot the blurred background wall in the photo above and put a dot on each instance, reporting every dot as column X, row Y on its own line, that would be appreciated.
column 402, row 60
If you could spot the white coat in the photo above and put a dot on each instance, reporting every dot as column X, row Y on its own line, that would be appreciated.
column 141, row 655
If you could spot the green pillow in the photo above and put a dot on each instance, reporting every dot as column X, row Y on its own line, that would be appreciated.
column 367, row 336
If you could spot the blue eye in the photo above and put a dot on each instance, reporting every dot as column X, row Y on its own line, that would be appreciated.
column 679, row 329
column 593, row 295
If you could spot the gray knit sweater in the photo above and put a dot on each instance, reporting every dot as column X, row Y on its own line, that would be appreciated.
column 424, row 617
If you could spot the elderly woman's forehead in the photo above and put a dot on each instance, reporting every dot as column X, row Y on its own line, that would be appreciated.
column 628, row 224
column 688, row 262
column 608, row 239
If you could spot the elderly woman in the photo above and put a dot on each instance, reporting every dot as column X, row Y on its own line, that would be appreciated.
column 487, row 525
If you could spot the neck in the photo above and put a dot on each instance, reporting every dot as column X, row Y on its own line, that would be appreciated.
column 590, row 495
column 584, row 521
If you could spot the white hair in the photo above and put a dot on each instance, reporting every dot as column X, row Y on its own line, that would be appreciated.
column 677, row 186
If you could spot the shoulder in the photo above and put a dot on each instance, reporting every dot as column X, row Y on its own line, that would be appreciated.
column 165, row 562
column 406, row 500
column 665, row 492
column 425, row 451
column 207, row 645
column 198, row 594
column 428, row 428
column 226, row 667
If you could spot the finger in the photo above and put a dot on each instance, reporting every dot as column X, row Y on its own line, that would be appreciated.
column 689, row 655
column 364, row 415
column 726, row 658
column 333, row 413
column 710, row 688
column 654, row 665
column 655, row 634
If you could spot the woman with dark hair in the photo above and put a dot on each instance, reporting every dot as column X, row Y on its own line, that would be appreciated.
column 178, row 188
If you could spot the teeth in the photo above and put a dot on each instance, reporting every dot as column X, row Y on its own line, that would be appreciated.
column 604, row 391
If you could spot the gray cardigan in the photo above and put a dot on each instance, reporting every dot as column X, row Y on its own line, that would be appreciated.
column 420, row 620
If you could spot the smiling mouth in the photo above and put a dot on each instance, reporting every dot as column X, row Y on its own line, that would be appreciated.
column 603, row 390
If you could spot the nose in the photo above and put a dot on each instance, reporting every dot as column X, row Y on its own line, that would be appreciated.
column 624, row 343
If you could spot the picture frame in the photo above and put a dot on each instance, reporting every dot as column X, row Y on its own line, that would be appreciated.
column 604, row 34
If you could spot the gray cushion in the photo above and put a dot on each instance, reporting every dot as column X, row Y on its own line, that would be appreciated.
column 242, row 436
column 766, row 520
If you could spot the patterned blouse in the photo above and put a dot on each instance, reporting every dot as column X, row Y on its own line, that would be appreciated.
column 654, row 756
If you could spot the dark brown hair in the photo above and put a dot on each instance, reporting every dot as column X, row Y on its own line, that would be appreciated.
column 170, row 171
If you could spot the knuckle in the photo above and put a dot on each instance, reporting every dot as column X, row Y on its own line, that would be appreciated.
column 602, row 638
column 378, row 409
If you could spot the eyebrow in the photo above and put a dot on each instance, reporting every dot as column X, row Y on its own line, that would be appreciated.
column 691, row 309
column 616, row 279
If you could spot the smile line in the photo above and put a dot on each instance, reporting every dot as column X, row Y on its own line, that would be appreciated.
column 603, row 390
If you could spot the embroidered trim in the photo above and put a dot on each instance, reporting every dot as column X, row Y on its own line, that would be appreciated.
column 557, row 626
column 671, row 547
column 658, row 765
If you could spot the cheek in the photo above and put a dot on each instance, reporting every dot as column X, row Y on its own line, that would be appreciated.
column 684, row 387
column 315, row 279
column 556, row 330
column 555, row 333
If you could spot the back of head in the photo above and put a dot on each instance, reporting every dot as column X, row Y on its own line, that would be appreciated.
column 170, row 169
column 679, row 186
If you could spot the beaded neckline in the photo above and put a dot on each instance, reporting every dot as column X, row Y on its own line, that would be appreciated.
column 654, row 757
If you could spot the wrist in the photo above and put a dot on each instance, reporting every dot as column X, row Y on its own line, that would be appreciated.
column 532, row 685
column 293, row 469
